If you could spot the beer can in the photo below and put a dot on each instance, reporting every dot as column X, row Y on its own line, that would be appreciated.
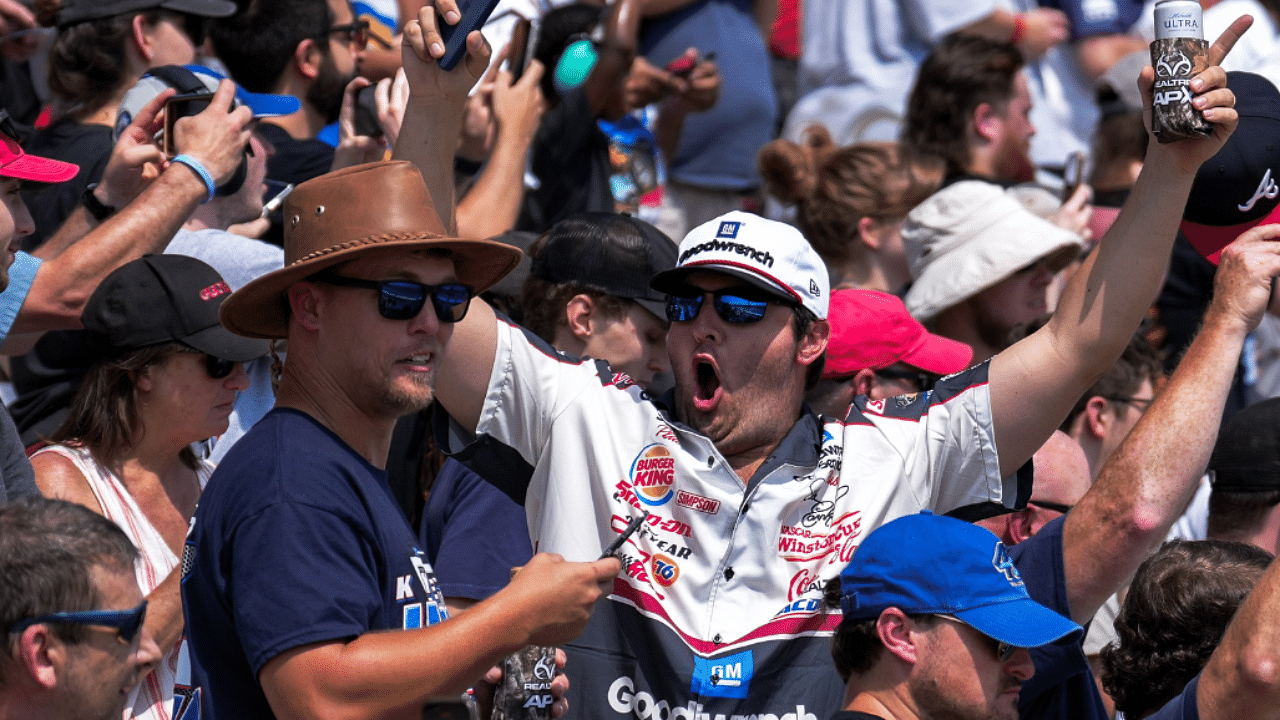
column 525, row 691
column 1177, row 54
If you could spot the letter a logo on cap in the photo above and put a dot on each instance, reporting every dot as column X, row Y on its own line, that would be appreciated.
column 728, row 229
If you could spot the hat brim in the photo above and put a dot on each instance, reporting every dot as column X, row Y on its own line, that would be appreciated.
column 203, row 8
column 222, row 343
column 669, row 281
column 1022, row 623
column 939, row 355
column 264, row 105
column 38, row 169
column 1209, row 240
column 260, row 309
column 965, row 271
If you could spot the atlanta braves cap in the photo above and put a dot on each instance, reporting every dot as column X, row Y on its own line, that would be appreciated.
column 610, row 252
column 873, row 330
column 930, row 565
column 770, row 255
column 1237, row 188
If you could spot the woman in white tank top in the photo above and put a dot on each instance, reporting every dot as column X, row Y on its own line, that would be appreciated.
column 166, row 378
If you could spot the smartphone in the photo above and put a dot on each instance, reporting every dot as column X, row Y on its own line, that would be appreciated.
column 274, row 196
column 180, row 106
column 367, row 113
column 1072, row 174
column 474, row 15
column 519, row 56
column 632, row 527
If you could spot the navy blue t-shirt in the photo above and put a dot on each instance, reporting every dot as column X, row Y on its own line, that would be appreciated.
column 1063, row 685
column 473, row 533
column 1182, row 707
column 297, row 540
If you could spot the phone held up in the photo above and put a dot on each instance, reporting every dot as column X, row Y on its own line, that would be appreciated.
column 474, row 15
column 178, row 107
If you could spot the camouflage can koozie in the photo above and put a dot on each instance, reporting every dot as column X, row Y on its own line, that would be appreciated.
column 525, row 692
column 1177, row 54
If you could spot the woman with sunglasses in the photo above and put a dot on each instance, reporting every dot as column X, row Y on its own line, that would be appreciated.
column 166, row 378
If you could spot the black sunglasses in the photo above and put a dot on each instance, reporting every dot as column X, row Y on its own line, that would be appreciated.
column 925, row 380
column 9, row 128
column 126, row 622
column 735, row 305
column 403, row 299
column 217, row 368
column 1056, row 507
column 357, row 33
column 1141, row 403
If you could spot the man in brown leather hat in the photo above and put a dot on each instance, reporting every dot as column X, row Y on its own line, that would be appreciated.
column 299, row 555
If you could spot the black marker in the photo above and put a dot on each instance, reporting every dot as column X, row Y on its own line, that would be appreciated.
column 632, row 527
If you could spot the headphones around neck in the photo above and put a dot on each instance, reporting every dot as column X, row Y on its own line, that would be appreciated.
column 186, row 83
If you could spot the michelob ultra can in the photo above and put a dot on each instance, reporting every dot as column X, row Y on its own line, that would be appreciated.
column 1178, row 53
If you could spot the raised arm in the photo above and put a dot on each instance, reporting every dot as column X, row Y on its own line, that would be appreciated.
column 1148, row 481
column 1035, row 382
column 427, row 139
column 80, row 254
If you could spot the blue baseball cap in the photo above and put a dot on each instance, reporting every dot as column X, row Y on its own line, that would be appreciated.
column 930, row 565
column 195, row 78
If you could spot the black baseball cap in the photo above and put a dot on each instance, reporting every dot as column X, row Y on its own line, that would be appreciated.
column 613, row 253
column 78, row 11
column 1239, row 187
column 165, row 298
column 1247, row 455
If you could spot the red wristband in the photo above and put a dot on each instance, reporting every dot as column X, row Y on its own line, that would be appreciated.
column 1019, row 28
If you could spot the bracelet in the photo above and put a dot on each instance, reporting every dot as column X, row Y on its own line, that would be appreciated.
column 199, row 169
column 1019, row 28
column 95, row 207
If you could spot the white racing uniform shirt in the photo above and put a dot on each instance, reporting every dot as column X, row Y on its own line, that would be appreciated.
column 718, row 611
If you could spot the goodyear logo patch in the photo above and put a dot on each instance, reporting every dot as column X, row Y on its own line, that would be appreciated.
column 726, row 677
column 653, row 474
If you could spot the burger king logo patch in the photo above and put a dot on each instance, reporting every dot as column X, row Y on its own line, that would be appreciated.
column 653, row 473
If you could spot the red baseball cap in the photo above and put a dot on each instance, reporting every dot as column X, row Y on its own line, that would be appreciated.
column 15, row 163
column 871, row 329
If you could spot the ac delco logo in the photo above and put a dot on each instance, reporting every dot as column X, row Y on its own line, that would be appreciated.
column 684, row 498
column 664, row 570
column 653, row 474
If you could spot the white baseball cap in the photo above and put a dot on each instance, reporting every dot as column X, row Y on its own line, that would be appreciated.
column 770, row 255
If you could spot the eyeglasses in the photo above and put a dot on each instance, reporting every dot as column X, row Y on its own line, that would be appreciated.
column 1056, row 507
column 357, row 33
column 8, row 127
column 403, row 299
column 735, row 305
column 1004, row 651
column 218, row 368
column 126, row 622
column 1140, row 403
column 924, row 380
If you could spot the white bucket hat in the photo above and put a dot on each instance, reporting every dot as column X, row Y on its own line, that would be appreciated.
column 970, row 236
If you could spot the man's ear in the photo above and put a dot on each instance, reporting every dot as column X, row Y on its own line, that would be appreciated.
column 307, row 57
column 814, row 343
column 867, row 233
column 986, row 123
column 304, row 301
column 1021, row 525
column 580, row 315
column 895, row 631
column 863, row 380
column 42, row 655
column 1097, row 418
column 138, row 33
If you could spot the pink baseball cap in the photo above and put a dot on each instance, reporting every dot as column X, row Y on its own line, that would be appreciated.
column 873, row 330
column 15, row 163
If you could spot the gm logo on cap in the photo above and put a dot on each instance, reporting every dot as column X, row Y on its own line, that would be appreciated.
column 728, row 229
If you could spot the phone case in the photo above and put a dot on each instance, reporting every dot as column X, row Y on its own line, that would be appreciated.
column 474, row 15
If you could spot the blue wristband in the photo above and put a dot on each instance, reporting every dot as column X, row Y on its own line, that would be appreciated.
column 198, row 168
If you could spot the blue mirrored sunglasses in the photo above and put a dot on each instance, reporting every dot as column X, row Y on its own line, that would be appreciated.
column 403, row 299
column 735, row 305
column 126, row 622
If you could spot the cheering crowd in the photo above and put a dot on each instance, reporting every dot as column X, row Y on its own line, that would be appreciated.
column 788, row 359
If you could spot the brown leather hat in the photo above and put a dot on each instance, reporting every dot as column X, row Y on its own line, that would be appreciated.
column 345, row 214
